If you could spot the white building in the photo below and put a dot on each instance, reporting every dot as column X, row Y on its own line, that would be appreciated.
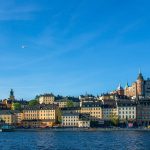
column 126, row 110
column 70, row 120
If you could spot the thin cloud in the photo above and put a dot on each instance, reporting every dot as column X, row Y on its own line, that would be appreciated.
column 12, row 11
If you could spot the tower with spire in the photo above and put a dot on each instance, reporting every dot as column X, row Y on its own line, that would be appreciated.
column 120, row 90
column 11, row 96
column 140, row 84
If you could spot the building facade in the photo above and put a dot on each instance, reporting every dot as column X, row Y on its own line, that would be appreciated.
column 94, row 110
column 70, row 120
column 44, row 114
column 126, row 110
column 47, row 99
column 143, row 112
column 8, row 117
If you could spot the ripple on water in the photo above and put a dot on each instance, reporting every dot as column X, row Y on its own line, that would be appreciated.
column 75, row 140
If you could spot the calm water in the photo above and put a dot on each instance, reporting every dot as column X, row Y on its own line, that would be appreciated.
column 124, row 140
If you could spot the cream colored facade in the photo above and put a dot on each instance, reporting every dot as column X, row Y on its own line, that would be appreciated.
column 8, row 118
column 61, row 104
column 83, row 124
column 47, row 114
column 109, row 113
column 70, row 120
column 19, row 117
column 41, row 112
column 46, row 99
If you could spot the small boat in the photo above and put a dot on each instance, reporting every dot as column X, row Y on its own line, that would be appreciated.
column 7, row 128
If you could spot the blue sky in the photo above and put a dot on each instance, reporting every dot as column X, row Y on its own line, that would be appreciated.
column 72, row 46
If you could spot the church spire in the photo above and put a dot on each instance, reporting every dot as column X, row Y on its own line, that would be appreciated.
column 127, row 85
column 11, row 96
column 140, row 76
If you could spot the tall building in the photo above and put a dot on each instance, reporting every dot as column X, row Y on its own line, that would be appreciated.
column 139, row 88
column 11, row 96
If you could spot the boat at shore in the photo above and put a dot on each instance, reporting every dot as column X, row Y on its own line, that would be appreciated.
column 6, row 128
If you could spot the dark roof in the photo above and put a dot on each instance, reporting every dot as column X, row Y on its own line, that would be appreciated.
column 68, row 98
column 70, row 114
column 71, row 108
column 62, row 100
column 126, row 103
column 41, row 106
column 44, row 120
column 140, row 76
column 91, row 104
column 47, row 94
column 6, row 112
column 109, row 102
column 108, row 106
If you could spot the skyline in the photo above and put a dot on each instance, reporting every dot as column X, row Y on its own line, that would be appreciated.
column 71, row 48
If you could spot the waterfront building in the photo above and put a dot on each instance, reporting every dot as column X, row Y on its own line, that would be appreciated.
column 45, row 114
column 143, row 112
column 46, row 99
column 94, row 109
column 18, row 117
column 109, row 112
column 70, row 120
column 126, row 110
column 84, row 121
column 8, row 117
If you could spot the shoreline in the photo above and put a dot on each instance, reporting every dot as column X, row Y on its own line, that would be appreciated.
column 79, row 129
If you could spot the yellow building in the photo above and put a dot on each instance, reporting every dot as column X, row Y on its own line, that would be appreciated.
column 93, row 109
column 45, row 115
column 8, row 117
column 46, row 99
column 61, row 103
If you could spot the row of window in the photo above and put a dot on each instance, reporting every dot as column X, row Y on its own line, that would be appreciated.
column 69, row 124
column 99, row 108
column 126, row 112
column 125, row 116
column 39, row 115
column 30, row 118
column 35, row 111
column 70, row 117
column 127, row 108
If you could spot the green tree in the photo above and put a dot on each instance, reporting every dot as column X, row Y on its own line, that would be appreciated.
column 59, row 113
column 33, row 102
column 16, row 106
column 70, row 103
column 114, row 119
